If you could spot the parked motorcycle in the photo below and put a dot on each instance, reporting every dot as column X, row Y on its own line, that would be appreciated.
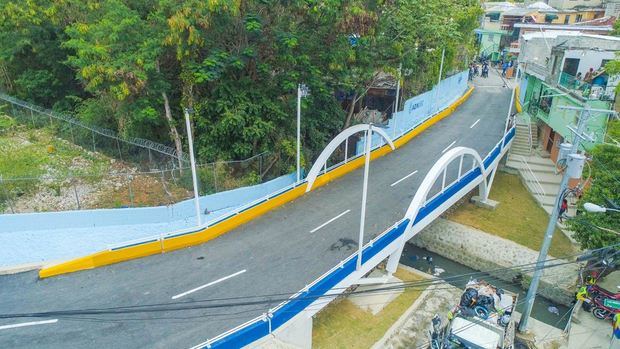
column 603, row 311
column 598, row 293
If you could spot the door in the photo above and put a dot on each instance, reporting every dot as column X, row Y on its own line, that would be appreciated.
column 549, row 145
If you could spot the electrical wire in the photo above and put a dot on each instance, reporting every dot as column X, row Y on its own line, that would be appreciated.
column 257, row 300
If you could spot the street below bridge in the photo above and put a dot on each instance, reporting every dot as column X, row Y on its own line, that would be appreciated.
column 276, row 254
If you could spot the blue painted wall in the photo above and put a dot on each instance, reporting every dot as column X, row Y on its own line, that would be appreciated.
column 421, row 107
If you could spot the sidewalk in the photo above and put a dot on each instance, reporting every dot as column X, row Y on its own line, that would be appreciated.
column 590, row 332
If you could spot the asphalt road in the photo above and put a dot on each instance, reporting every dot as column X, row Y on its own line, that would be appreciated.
column 274, row 254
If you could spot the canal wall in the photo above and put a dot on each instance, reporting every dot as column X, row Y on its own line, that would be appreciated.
column 485, row 252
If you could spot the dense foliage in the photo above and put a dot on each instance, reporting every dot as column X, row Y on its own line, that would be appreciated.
column 595, row 230
column 133, row 65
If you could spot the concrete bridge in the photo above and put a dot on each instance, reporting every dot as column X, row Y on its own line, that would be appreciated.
column 213, row 294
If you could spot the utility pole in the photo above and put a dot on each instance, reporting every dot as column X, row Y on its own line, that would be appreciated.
column 573, row 168
column 193, row 164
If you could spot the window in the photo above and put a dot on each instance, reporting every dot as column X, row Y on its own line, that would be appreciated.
column 566, row 19
column 571, row 66
column 579, row 18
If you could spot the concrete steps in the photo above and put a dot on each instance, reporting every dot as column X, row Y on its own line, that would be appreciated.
column 544, row 170
column 536, row 168
column 521, row 142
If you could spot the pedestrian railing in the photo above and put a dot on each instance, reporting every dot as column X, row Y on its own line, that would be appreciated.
column 269, row 321
column 529, row 176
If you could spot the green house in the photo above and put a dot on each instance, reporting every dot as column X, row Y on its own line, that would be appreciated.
column 489, row 41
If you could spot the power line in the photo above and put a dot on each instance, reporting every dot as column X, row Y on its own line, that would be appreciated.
column 265, row 299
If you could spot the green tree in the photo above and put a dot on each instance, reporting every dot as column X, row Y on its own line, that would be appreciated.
column 594, row 230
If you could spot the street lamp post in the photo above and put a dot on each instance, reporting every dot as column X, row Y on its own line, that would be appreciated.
column 331, row 147
column 302, row 91
column 443, row 56
column 193, row 164
column 364, row 194
column 594, row 208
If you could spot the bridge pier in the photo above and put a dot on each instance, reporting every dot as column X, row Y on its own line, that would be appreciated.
column 394, row 259
column 295, row 334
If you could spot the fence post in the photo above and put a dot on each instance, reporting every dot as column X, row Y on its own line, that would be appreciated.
column 129, row 178
column 8, row 200
column 77, row 198
column 93, row 134
column 215, row 175
column 32, row 118
column 51, row 123
column 163, row 184
column 118, row 146
column 71, row 131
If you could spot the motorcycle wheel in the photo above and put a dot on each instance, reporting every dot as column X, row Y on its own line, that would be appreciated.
column 600, row 313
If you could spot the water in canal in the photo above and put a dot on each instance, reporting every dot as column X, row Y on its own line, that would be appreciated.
column 413, row 256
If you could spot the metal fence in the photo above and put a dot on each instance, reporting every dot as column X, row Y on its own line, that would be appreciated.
column 129, row 189
column 144, row 153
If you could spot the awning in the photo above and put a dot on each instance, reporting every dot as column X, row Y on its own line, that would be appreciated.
column 550, row 17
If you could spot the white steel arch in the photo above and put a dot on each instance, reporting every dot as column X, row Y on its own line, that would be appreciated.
column 420, row 197
column 335, row 143
column 439, row 169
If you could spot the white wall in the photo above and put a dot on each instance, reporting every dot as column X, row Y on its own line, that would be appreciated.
column 588, row 59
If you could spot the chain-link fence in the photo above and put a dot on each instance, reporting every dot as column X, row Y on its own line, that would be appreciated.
column 130, row 187
column 141, row 152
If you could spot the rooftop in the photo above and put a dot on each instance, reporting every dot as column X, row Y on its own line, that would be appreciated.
column 565, row 27
column 552, row 34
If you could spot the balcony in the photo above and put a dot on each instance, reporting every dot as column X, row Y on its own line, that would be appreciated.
column 538, row 70
column 584, row 90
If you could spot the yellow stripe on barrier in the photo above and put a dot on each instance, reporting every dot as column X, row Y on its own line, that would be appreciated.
column 104, row 258
column 518, row 105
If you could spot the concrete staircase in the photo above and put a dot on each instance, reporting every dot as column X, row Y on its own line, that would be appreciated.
column 521, row 143
column 539, row 176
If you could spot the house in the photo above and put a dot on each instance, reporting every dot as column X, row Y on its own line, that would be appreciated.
column 489, row 42
column 570, row 4
column 566, row 68
column 601, row 26
column 560, row 69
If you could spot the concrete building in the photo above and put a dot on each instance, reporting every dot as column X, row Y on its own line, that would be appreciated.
column 554, row 65
column 602, row 26
column 570, row 4
column 612, row 8
column 566, row 68
column 489, row 42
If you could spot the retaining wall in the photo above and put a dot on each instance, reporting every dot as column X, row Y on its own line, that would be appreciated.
column 481, row 251
column 183, row 210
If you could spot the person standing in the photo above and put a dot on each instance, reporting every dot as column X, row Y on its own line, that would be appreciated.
column 563, row 209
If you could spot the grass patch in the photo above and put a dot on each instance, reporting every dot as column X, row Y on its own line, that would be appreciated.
column 518, row 217
column 343, row 325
